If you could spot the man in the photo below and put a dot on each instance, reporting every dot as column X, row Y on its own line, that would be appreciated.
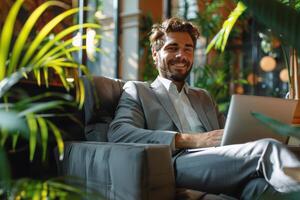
column 170, row 112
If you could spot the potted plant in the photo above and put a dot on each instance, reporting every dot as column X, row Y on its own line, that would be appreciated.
column 31, row 52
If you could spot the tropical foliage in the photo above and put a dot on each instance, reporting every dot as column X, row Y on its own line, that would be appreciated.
column 215, row 73
column 220, row 40
column 277, row 126
column 216, row 78
column 284, row 25
column 37, row 53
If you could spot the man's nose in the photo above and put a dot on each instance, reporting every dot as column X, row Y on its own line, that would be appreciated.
column 180, row 54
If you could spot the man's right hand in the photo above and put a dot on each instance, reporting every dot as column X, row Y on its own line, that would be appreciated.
column 199, row 140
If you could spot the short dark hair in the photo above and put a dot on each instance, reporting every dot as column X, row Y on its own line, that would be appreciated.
column 171, row 25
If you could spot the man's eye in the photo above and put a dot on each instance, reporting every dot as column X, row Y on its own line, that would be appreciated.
column 172, row 48
column 189, row 49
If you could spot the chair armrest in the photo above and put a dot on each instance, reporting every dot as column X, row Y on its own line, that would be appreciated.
column 121, row 171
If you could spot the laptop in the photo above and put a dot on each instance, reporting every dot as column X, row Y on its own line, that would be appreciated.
column 242, row 127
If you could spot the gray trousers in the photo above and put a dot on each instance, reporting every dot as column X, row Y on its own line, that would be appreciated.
column 245, row 171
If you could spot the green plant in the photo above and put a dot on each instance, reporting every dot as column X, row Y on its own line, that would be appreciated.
column 149, row 72
column 277, row 126
column 221, row 38
column 285, row 25
column 20, row 115
column 216, row 78
column 209, row 18
column 217, row 75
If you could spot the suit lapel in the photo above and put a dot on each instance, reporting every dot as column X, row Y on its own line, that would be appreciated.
column 197, row 104
column 163, row 97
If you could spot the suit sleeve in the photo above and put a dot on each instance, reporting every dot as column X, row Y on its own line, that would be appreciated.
column 129, row 123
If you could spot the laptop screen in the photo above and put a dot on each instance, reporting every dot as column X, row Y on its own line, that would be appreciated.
column 242, row 127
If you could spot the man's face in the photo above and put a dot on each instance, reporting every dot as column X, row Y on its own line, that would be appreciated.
column 175, row 59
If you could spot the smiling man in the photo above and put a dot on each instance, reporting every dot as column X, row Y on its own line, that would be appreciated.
column 170, row 112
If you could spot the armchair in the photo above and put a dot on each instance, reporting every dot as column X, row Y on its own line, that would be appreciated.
column 119, row 171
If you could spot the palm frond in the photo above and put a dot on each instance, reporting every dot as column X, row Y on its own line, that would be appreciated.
column 58, row 37
column 38, row 107
column 44, row 32
column 6, row 36
column 53, row 189
column 282, row 19
column 9, row 81
column 24, row 33
column 58, row 137
column 220, row 40
column 33, row 129
column 44, row 135
column 11, row 122
column 277, row 126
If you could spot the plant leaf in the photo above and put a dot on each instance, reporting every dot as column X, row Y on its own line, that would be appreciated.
column 44, row 32
column 8, row 82
column 23, row 35
column 15, row 138
column 46, row 77
column 44, row 135
column 37, row 75
column 27, row 100
column 220, row 40
column 280, row 18
column 33, row 130
column 59, row 140
column 6, row 36
column 59, row 36
column 10, row 121
column 277, row 126
column 4, row 136
column 38, row 107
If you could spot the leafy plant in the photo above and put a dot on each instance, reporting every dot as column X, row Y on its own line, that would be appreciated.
column 55, row 188
column 284, row 25
column 209, row 18
column 277, row 126
column 217, row 74
column 150, row 72
column 35, row 52
column 221, row 38
column 216, row 78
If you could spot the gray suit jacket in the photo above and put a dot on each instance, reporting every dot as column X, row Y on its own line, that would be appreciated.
column 145, row 114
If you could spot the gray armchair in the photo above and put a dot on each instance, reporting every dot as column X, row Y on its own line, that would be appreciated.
column 118, row 171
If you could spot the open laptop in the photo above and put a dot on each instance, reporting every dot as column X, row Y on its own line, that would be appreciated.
column 242, row 127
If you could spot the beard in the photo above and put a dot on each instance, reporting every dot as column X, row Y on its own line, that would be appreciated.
column 180, row 77
column 175, row 74
column 167, row 70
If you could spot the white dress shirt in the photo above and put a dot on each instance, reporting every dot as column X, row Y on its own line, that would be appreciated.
column 188, row 117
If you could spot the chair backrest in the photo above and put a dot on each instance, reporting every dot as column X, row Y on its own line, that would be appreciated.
column 102, row 95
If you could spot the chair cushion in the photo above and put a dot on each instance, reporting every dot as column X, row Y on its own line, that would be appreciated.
column 102, row 95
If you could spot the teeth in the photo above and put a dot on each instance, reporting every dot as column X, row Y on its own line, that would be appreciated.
column 179, row 64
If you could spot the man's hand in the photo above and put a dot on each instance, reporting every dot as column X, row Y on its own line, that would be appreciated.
column 198, row 140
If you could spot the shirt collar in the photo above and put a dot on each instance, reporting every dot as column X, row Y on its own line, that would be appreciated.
column 168, row 84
